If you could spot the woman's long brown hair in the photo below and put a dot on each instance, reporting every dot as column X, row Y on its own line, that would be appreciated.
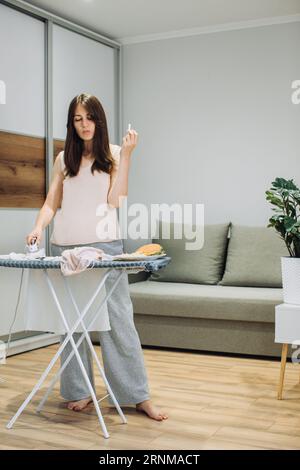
column 74, row 144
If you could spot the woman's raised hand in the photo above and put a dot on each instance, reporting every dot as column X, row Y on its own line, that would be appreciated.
column 129, row 142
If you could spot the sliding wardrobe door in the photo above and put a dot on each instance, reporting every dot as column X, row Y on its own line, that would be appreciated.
column 77, row 64
column 82, row 65
column 22, row 146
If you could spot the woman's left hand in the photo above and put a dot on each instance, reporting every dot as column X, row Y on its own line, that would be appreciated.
column 129, row 142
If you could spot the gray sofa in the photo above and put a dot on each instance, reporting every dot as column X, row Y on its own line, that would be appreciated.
column 221, row 298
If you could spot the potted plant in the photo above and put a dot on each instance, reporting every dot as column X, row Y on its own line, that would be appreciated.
column 285, row 196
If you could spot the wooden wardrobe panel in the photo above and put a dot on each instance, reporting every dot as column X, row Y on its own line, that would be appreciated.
column 22, row 170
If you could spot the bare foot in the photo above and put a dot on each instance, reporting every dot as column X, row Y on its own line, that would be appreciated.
column 79, row 405
column 151, row 410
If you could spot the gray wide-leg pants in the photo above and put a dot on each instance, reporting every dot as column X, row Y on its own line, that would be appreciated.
column 120, row 347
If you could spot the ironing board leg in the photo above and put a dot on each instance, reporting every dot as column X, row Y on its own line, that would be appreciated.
column 66, row 362
column 34, row 390
column 87, row 337
column 57, row 354
column 82, row 368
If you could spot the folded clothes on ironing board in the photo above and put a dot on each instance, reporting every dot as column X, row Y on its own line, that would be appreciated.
column 78, row 259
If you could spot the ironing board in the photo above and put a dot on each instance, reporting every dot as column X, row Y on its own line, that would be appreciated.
column 44, row 265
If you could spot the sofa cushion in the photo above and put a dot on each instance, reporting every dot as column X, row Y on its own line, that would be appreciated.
column 204, row 266
column 253, row 257
column 251, row 304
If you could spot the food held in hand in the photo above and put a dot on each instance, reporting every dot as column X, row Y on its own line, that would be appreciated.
column 151, row 249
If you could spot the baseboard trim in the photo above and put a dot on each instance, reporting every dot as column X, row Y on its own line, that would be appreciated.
column 32, row 342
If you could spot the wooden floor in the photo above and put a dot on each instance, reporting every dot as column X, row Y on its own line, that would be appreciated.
column 213, row 402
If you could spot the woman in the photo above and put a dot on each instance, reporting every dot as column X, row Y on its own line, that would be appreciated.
column 90, row 172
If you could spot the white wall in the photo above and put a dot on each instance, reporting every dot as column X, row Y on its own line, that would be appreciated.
column 215, row 119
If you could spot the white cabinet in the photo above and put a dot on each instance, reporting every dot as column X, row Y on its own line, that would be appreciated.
column 287, row 324
column 287, row 331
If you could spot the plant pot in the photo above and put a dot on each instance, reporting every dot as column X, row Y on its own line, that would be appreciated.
column 290, row 269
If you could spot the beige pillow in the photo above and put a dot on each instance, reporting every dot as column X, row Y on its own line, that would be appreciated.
column 253, row 257
column 202, row 266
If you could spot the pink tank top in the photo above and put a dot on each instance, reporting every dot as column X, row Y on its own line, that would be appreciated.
column 85, row 216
